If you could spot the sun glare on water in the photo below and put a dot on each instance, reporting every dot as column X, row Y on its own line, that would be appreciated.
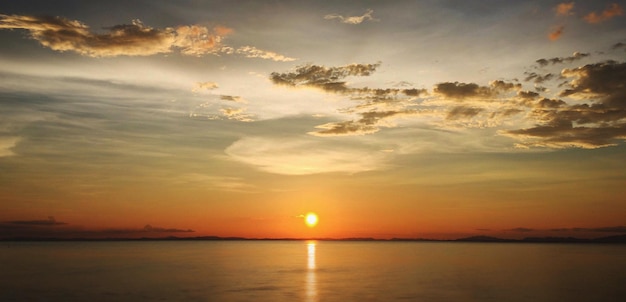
column 310, row 219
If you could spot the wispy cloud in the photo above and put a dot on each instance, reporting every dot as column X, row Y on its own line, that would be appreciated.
column 564, row 9
column 556, row 33
column 367, row 16
column 304, row 155
column 613, row 10
column 253, row 52
column 558, row 60
column 7, row 143
column 205, row 86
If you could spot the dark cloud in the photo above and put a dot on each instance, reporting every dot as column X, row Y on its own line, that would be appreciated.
column 550, row 103
column 524, row 230
column 150, row 229
column 135, row 39
column 370, row 122
column 527, row 95
column 414, row 92
column 459, row 91
column 378, row 106
column 463, row 112
column 560, row 60
column 603, row 80
column 53, row 229
column 326, row 78
column 48, row 222
column 564, row 134
column 598, row 124
column 537, row 78
column 619, row 45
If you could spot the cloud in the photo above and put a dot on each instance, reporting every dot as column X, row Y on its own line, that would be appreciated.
column 463, row 112
column 460, row 91
column 611, row 11
column 603, row 81
column 537, row 78
column 459, row 105
column 556, row 33
column 237, row 114
column 150, row 229
column 324, row 78
column 226, row 183
column 527, row 95
column 135, row 39
column 564, row 9
column 51, row 228
column 370, row 122
column 306, row 155
column 558, row 60
column 599, row 123
column 353, row 19
column 233, row 98
column 619, row 45
column 48, row 222
column 253, row 52
column 7, row 143
column 205, row 86
column 524, row 230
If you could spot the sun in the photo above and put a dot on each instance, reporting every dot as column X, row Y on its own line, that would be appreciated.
column 310, row 219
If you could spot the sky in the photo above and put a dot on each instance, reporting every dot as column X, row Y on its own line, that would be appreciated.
column 412, row 119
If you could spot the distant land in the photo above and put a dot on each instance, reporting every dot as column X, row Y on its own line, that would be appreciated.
column 616, row 239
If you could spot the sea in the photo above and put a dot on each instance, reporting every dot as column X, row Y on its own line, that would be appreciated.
column 275, row 270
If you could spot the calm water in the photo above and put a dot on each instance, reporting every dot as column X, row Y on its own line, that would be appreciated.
column 310, row 271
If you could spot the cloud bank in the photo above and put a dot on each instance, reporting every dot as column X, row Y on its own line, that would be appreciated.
column 589, row 111
column 134, row 39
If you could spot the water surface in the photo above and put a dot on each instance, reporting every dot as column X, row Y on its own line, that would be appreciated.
column 310, row 271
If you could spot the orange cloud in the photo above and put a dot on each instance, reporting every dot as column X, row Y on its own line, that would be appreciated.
column 564, row 9
column 612, row 11
column 556, row 33
column 135, row 39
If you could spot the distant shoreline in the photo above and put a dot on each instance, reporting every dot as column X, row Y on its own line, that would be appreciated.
column 617, row 239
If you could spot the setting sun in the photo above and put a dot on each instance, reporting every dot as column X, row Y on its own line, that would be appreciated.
column 310, row 219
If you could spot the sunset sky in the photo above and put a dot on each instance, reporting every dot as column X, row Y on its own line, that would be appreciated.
column 431, row 119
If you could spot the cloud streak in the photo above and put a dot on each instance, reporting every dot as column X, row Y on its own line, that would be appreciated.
column 367, row 16
column 564, row 9
column 613, row 10
column 134, row 39
column 559, row 60
column 556, row 33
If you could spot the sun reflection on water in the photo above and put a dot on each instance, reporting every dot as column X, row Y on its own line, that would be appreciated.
column 311, row 282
